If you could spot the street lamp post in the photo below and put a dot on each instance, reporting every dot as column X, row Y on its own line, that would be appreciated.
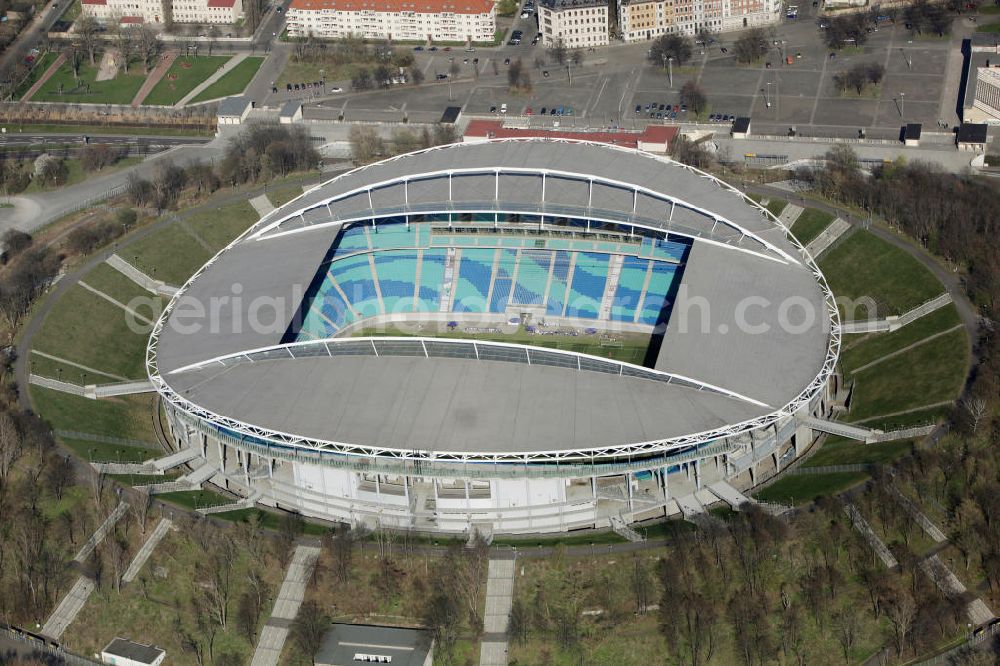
column 670, row 71
column 902, row 107
column 767, row 95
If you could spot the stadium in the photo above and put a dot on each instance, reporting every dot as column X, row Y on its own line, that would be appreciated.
column 515, row 336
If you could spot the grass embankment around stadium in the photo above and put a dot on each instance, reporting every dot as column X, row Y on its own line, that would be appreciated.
column 908, row 377
column 626, row 347
column 811, row 224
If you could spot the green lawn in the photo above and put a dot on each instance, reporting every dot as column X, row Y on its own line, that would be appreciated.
column 810, row 224
column 119, row 287
column 220, row 226
column 143, row 479
column 41, row 66
column 931, row 373
column 279, row 196
column 802, row 488
column 847, row 452
column 184, row 75
column 104, row 452
column 863, row 265
column 119, row 90
column 632, row 347
column 874, row 346
column 918, row 417
column 989, row 27
column 171, row 254
column 584, row 539
column 146, row 131
column 195, row 499
column 233, row 82
column 776, row 206
column 87, row 329
column 268, row 520
column 126, row 417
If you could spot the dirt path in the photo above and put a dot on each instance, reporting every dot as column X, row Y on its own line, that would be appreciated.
column 53, row 68
column 154, row 76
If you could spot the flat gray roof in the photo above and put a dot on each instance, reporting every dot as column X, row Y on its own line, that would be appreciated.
column 407, row 647
column 453, row 405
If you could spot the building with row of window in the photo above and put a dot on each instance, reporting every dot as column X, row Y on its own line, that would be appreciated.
column 576, row 23
column 157, row 11
column 430, row 20
column 647, row 19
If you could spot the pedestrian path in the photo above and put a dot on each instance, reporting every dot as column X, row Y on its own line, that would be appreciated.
column 222, row 71
column 68, row 608
column 932, row 530
column 55, row 385
column 262, row 205
column 85, row 368
column 893, row 323
column 861, row 525
column 977, row 610
column 725, row 492
column 46, row 75
column 147, row 549
column 116, row 302
column 101, row 532
column 827, row 237
column 286, row 606
column 132, row 273
column 499, row 598
column 789, row 215
column 918, row 343
column 154, row 77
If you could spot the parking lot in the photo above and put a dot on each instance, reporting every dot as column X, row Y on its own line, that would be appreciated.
column 920, row 83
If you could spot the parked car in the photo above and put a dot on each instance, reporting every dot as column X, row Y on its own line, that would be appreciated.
column 441, row 77
column 529, row 112
column 418, row 48
column 288, row 87
column 506, row 61
column 493, row 109
column 638, row 108
column 503, row 108
column 542, row 112
column 336, row 89
column 545, row 72
column 432, row 48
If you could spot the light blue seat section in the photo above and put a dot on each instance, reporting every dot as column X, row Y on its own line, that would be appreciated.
column 590, row 277
column 354, row 275
column 660, row 283
column 397, row 270
column 431, row 278
column 628, row 293
column 557, row 289
column 669, row 249
column 532, row 277
column 315, row 326
column 351, row 239
column 502, row 284
column 387, row 235
column 475, row 271
column 332, row 305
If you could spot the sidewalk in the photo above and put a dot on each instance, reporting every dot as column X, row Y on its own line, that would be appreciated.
column 154, row 77
column 53, row 68
column 222, row 71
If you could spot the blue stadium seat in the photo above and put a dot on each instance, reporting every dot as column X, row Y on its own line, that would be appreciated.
column 352, row 239
column 431, row 279
column 397, row 270
column 660, row 283
column 557, row 289
column 354, row 275
column 590, row 276
column 629, row 290
column 388, row 235
column 532, row 277
column 475, row 271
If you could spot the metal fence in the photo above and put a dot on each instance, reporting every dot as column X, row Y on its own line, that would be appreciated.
column 40, row 646
column 975, row 639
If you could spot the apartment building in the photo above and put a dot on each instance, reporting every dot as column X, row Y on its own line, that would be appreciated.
column 155, row 11
column 577, row 23
column 421, row 20
column 647, row 19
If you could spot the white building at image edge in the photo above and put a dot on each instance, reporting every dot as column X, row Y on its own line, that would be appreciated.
column 420, row 20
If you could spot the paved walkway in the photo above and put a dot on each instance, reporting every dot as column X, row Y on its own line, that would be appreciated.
column 827, row 237
column 132, row 273
column 85, row 368
column 116, row 302
column 262, row 205
column 499, row 597
column 101, row 532
column 222, row 71
column 154, row 77
column 286, row 606
column 53, row 68
column 894, row 323
column 147, row 549
column 861, row 525
column 977, row 610
column 56, row 385
column 789, row 215
column 932, row 530
column 68, row 608
column 860, row 368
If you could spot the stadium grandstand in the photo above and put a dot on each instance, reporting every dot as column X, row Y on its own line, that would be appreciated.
column 516, row 336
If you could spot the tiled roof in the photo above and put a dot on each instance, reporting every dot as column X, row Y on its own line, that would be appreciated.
column 418, row 6
column 221, row 3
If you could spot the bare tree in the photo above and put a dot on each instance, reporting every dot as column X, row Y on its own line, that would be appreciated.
column 88, row 34
column 141, row 505
column 117, row 556
column 902, row 611
column 10, row 446
column 848, row 624
column 147, row 46
column 976, row 409
column 123, row 38
column 308, row 629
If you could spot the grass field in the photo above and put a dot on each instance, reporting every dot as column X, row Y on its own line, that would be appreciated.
column 171, row 254
column 41, row 66
column 776, row 206
column 989, row 27
column 105, row 452
column 195, row 499
column 268, row 520
column 126, row 417
column 233, row 82
column 916, row 417
column 279, row 196
column 87, row 329
column 632, row 350
column 802, row 488
column 184, row 75
column 863, row 265
column 811, row 224
column 119, row 90
column 931, row 373
column 114, row 284
column 143, row 479
column 847, row 452
column 858, row 353
column 220, row 226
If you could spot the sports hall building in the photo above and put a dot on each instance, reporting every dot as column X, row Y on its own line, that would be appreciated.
column 516, row 336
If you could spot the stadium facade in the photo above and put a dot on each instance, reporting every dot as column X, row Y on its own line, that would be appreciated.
column 445, row 341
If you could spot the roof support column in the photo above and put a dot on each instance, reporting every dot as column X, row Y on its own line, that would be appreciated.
column 672, row 205
column 590, row 193
column 635, row 200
